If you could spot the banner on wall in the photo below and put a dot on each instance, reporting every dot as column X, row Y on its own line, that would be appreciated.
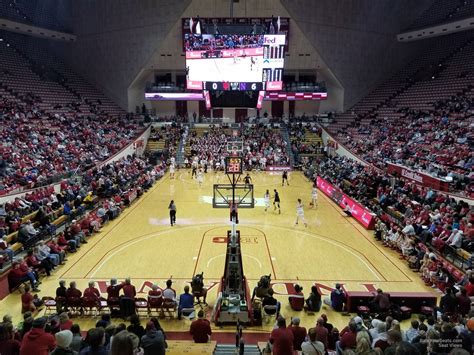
column 358, row 211
column 418, row 177
column 278, row 168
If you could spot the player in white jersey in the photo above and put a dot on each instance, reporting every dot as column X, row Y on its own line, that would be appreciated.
column 266, row 199
column 300, row 213
column 314, row 196
column 172, row 171
column 200, row 177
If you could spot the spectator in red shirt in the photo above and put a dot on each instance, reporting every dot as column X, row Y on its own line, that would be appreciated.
column 113, row 290
column 348, row 338
column 64, row 322
column 470, row 287
column 381, row 301
column 71, row 244
column 27, row 301
column 37, row 341
column 464, row 302
column 34, row 263
column 8, row 343
column 92, row 292
column 127, row 301
column 201, row 329
column 128, row 289
column 17, row 274
column 322, row 332
column 297, row 300
column 72, row 291
column 281, row 338
column 299, row 333
column 55, row 248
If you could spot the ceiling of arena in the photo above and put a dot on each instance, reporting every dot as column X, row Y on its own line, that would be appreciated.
column 351, row 42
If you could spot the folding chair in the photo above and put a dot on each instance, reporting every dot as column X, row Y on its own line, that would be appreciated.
column 113, row 303
column 269, row 312
column 188, row 313
column 169, row 306
column 61, row 304
column 154, row 304
column 91, row 306
column 50, row 305
column 141, row 306
column 74, row 304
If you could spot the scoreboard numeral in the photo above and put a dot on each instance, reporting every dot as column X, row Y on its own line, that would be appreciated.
column 214, row 86
column 254, row 86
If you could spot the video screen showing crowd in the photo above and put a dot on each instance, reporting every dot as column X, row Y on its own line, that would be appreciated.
column 224, row 58
column 235, row 62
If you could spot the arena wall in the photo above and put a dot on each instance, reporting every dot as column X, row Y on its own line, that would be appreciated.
column 357, row 39
column 116, row 39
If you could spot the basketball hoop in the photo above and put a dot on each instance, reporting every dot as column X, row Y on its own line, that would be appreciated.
column 235, row 147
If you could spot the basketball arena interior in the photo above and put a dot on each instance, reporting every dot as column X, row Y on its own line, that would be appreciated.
column 236, row 177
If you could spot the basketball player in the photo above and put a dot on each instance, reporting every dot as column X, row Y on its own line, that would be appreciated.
column 172, row 171
column 276, row 201
column 194, row 166
column 300, row 213
column 266, row 199
column 200, row 177
column 235, row 56
column 252, row 63
column 247, row 181
column 314, row 196
column 284, row 177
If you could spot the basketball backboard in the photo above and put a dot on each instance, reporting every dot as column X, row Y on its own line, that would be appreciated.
column 222, row 197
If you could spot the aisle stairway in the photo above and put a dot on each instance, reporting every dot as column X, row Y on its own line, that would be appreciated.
column 311, row 138
column 155, row 145
column 180, row 347
column 180, row 151
column 230, row 349
column 286, row 137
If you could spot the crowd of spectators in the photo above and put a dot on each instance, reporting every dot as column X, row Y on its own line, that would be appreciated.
column 58, row 335
column 447, row 334
column 407, row 202
column 438, row 142
column 212, row 42
column 170, row 135
column 37, row 148
column 262, row 146
column 113, row 184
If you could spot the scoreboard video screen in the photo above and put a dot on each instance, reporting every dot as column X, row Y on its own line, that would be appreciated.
column 234, row 62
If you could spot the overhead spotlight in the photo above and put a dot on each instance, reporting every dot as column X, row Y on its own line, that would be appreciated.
column 1, row 39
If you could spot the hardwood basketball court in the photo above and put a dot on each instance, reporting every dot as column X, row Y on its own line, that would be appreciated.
column 142, row 245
